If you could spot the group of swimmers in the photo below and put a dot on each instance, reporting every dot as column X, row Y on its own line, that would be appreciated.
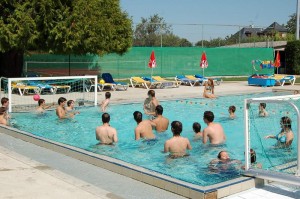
column 177, row 146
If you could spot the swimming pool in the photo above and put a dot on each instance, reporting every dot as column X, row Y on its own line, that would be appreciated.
column 80, row 132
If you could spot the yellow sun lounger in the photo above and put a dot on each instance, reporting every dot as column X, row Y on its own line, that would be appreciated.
column 25, row 90
column 166, row 83
column 138, row 81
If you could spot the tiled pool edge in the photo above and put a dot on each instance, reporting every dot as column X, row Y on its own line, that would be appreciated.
column 138, row 173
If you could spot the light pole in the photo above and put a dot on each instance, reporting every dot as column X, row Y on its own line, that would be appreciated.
column 297, row 21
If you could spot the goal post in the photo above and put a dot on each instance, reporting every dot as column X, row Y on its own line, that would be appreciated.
column 21, row 91
column 285, row 161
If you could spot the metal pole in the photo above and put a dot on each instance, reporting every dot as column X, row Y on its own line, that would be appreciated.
column 297, row 21
column 247, row 136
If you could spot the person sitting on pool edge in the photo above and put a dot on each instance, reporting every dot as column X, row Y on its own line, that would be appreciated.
column 144, row 127
column 60, row 110
column 177, row 145
column 286, row 136
column 209, row 89
column 197, row 129
column 105, row 133
column 161, row 123
column 214, row 131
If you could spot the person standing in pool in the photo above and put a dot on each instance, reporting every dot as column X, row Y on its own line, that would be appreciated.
column 3, row 119
column 144, row 127
column 231, row 111
column 177, row 145
column 286, row 136
column 214, row 131
column 60, row 110
column 160, row 121
column 105, row 133
column 70, row 107
column 150, row 103
column 104, row 104
column 262, row 110
column 197, row 129
column 4, row 104
column 42, row 106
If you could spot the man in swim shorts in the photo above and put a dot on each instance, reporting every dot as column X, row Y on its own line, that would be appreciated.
column 105, row 133
column 177, row 145
column 214, row 131
column 144, row 127
column 160, row 121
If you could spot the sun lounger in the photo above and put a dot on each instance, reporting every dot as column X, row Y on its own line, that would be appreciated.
column 107, row 77
column 44, row 87
column 187, row 81
column 217, row 81
column 138, row 81
column 25, row 89
column 166, row 83
column 282, row 79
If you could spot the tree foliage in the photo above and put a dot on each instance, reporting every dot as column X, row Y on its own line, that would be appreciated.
column 64, row 26
column 154, row 31
column 291, row 24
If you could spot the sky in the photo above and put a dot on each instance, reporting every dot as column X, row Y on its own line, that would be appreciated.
column 225, row 17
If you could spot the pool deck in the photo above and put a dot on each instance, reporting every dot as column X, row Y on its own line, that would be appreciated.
column 30, row 171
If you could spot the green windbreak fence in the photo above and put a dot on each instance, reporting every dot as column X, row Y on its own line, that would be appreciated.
column 170, row 61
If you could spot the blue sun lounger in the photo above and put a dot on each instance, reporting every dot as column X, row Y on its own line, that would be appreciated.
column 107, row 77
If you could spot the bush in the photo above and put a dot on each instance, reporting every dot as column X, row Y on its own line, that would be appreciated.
column 292, row 51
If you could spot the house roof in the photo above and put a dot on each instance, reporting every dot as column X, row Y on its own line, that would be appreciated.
column 275, row 26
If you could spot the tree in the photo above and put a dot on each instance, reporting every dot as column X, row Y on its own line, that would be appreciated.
column 61, row 26
column 154, row 31
column 291, row 24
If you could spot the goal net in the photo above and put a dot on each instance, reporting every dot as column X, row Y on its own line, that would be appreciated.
column 24, row 93
column 272, row 132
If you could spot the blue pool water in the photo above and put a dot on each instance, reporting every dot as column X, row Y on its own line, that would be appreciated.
column 80, row 132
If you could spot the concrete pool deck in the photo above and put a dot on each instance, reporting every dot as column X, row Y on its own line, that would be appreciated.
column 29, row 171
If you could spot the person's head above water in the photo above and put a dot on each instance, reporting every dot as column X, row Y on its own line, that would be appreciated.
column 138, row 116
column 105, row 118
column 209, row 116
column 176, row 127
column 223, row 155
column 159, row 110
column 151, row 93
column 196, row 127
